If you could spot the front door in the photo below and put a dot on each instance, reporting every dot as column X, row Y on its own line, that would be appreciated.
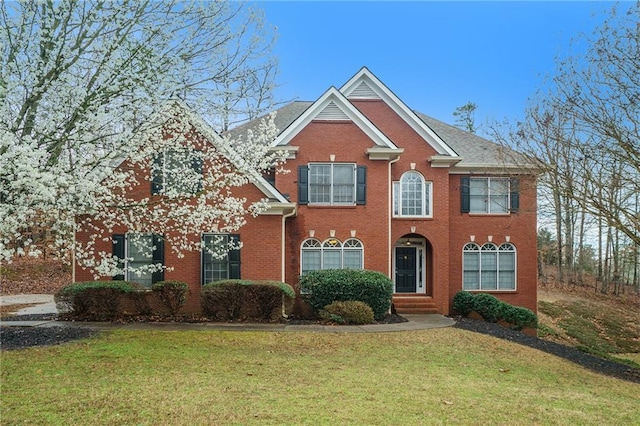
column 406, row 269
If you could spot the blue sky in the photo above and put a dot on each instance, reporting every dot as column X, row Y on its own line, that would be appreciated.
column 435, row 56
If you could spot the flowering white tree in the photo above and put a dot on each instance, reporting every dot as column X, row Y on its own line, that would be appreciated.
column 80, row 82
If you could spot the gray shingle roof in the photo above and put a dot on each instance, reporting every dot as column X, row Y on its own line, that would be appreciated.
column 474, row 150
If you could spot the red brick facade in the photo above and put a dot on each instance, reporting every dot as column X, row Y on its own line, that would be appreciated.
column 272, row 243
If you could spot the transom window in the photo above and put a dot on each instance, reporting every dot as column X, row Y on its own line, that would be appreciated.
column 331, row 254
column 489, row 267
column 489, row 195
column 412, row 196
column 332, row 183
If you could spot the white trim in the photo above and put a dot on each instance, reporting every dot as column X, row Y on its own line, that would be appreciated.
column 333, row 95
column 427, row 203
column 399, row 108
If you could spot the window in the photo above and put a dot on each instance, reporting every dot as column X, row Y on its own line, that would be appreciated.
column 138, row 253
column 177, row 172
column 412, row 196
column 331, row 254
column 332, row 184
column 490, row 195
column 489, row 267
column 220, row 257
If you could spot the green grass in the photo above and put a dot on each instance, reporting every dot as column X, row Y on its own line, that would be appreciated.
column 596, row 327
column 443, row 376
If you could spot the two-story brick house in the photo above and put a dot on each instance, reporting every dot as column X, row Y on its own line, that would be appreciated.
column 375, row 185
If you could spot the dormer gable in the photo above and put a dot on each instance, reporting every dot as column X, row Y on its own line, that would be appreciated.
column 364, row 85
column 333, row 106
column 178, row 110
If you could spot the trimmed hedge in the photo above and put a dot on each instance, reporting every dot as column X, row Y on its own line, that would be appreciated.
column 230, row 300
column 321, row 288
column 93, row 299
column 348, row 312
column 171, row 294
column 463, row 302
column 492, row 310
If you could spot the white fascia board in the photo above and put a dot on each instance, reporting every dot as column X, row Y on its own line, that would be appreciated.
column 279, row 209
column 400, row 108
column 351, row 111
column 269, row 190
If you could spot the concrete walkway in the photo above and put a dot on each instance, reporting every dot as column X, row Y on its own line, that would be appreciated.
column 45, row 305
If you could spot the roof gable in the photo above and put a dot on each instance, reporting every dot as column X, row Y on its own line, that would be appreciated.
column 333, row 106
column 179, row 110
column 365, row 85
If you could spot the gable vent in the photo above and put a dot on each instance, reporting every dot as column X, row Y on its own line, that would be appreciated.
column 332, row 112
column 363, row 91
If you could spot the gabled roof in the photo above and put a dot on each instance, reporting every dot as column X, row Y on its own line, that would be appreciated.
column 365, row 85
column 333, row 106
column 176, row 108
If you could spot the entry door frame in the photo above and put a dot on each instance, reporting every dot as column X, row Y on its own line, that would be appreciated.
column 420, row 248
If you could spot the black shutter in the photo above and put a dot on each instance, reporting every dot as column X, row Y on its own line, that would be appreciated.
column 198, row 169
column 303, row 185
column 234, row 258
column 156, row 174
column 514, row 188
column 361, row 185
column 465, row 200
column 118, row 251
column 158, row 257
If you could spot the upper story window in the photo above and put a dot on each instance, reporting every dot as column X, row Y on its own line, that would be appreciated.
column 490, row 195
column 332, row 184
column 489, row 267
column 177, row 172
column 412, row 196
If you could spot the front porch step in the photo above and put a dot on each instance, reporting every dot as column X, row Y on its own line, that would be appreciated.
column 414, row 304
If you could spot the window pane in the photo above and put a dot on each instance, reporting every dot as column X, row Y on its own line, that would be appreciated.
column 353, row 259
column 478, row 195
column 215, row 258
column 427, row 199
column 343, row 183
column 331, row 259
column 507, row 274
column 499, row 195
column 140, row 250
column 412, row 194
column 471, row 272
column 489, row 268
column 310, row 260
column 396, row 198
column 320, row 183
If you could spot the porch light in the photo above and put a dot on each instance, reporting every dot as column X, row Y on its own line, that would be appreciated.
column 408, row 242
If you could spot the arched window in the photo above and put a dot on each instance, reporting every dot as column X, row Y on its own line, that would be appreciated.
column 489, row 267
column 412, row 196
column 331, row 254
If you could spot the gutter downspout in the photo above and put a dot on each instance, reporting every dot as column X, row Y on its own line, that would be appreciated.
column 390, row 210
column 283, row 252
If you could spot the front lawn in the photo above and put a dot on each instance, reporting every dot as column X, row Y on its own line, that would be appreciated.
column 441, row 376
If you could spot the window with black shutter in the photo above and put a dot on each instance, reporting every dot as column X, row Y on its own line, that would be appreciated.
column 220, row 257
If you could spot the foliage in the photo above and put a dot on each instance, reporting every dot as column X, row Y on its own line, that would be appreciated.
column 519, row 317
column 93, row 299
column 321, row 288
column 463, row 302
column 85, row 85
column 465, row 117
column 230, row 300
column 348, row 312
column 171, row 294
column 488, row 307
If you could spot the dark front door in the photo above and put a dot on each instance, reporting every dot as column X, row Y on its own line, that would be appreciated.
column 405, row 269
